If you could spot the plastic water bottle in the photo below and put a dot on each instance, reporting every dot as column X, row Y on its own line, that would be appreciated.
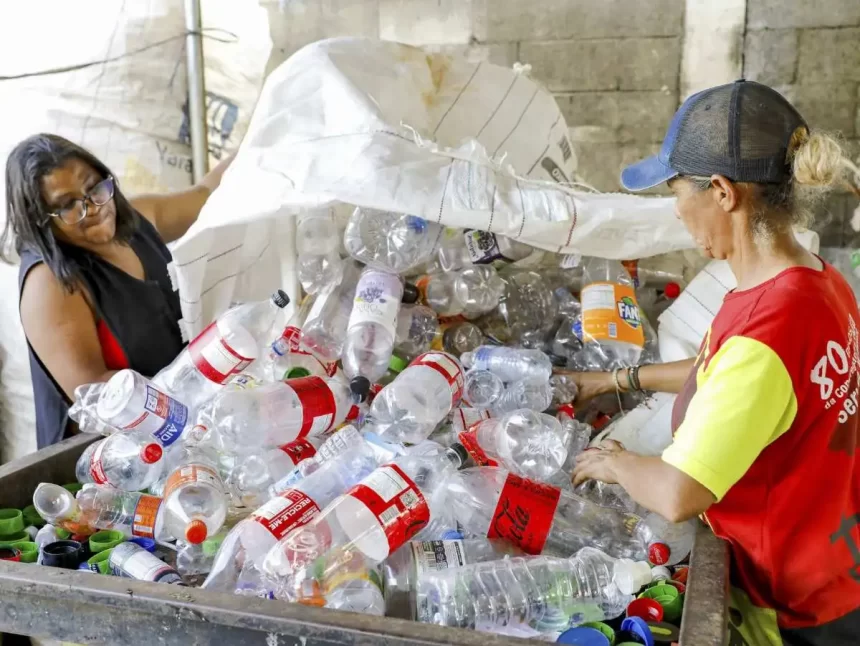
column 527, row 312
column 374, row 519
column 271, row 415
column 568, row 338
column 402, row 571
column 390, row 242
column 460, row 337
column 510, row 364
column 417, row 329
column 544, row 593
column 409, row 409
column 491, row 502
column 84, row 410
column 532, row 445
column 610, row 314
column 472, row 291
column 464, row 418
column 130, row 512
column 130, row 401
column 371, row 330
column 133, row 562
column 250, row 541
column 130, row 460
column 195, row 506
column 318, row 265
column 324, row 329
column 482, row 388
column 481, row 247
column 564, row 389
column 525, row 393
column 57, row 505
column 222, row 350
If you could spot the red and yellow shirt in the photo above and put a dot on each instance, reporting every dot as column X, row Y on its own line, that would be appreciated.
column 768, row 422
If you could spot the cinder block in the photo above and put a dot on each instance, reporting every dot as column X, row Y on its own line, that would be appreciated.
column 605, row 64
column 600, row 163
column 770, row 56
column 829, row 106
column 422, row 22
column 504, row 54
column 829, row 55
column 562, row 19
column 618, row 116
column 777, row 14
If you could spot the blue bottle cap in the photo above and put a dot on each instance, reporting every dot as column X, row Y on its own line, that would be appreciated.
column 638, row 627
column 146, row 543
column 451, row 535
column 581, row 636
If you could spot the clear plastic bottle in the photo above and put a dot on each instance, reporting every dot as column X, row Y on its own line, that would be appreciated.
column 57, row 505
column 417, row 329
column 318, row 264
column 248, row 543
column 390, row 242
column 529, row 444
column 371, row 330
column 568, row 338
column 564, row 389
column 248, row 420
column 510, row 364
column 84, row 410
column 481, row 248
column 578, row 432
column 374, row 518
column 195, row 505
column 324, row 329
column 460, row 337
column 222, row 350
column 130, row 401
column 482, row 388
column 130, row 460
column 611, row 317
column 525, row 393
column 491, row 502
column 402, row 570
column 130, row 512
column 463, row 418
column 133, row 562
column 527, row 312
column 531, row 591
column 409, row 409
column 471, row 292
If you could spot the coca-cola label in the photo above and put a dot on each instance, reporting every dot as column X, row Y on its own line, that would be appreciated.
column 162, row 416
column 285, row 512
column 190, row 474
column 97, row 471
column 213, row 356
column 469, row 440
column 318, row 404
column 145, row 514
column 524, row 513
column 396, row 501
column 446, row 366
column 299, row 450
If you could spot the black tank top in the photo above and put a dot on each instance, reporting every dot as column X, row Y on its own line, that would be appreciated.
column 142, row 315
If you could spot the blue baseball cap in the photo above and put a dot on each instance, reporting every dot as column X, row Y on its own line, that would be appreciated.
column 741, row 130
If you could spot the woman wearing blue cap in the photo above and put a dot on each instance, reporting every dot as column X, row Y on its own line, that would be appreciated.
column 765, row 425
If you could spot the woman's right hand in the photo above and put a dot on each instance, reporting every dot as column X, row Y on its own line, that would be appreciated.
column 589, row 384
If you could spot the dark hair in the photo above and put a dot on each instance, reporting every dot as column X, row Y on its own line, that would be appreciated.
column 26, row 211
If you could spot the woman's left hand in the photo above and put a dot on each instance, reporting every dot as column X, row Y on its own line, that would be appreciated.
column 598, row 463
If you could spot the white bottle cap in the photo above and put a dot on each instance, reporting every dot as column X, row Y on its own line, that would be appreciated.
column 660, row 573
column 630, row 576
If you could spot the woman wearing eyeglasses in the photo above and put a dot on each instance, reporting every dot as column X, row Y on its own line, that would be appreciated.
column 95, row 295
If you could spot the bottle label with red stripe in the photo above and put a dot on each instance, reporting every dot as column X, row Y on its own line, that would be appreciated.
column 396, row 501
column 524, row 513
column 293, row 338
column 469, row 440
column 465, row 418
column 318, row 404
column 447, row 366
column 299, row 450
column 213, row 356
column 97, row 471
column 285, row 512
column 145, row 514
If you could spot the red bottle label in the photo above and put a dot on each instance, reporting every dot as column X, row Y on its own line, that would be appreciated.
column 97, row 471
column 299, row 450
column 287, row 511
column 293, row 338
column 524, row 513
column 318, row 404
column 469, row 440
column 214, row 357
column 446, row 366
column 396, row 501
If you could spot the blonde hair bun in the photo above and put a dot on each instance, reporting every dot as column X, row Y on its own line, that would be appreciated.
column 818, row 159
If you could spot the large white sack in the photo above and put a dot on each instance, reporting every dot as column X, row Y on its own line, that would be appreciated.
column 388, row 126
column 129, row 111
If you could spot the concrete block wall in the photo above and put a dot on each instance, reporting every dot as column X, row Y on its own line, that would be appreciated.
column 619, row 68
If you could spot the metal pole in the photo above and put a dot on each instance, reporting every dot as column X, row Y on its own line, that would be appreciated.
column 196, row 91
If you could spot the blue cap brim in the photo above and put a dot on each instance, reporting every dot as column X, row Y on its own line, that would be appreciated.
column 646, row 174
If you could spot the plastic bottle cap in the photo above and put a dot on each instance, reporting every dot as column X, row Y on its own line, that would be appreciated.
column 297, row 373
column 151, row 453
column 410, row 294
column 32, row 517
column 146, row 543
column 10, row 554
column 658, row 553
column 105, row 540
column 196, row 532
column 581, row 636
column 460, row 451
column 29, row 551
column 11, row 521
column 672, row 290
column 451, row 535
column 280, row 298
column 638, row 627
column 660, row 573
column 8, row 539
column 647, row 609
column 631, row 576
column 360, row 388
column 396, row 364
column 567, row 409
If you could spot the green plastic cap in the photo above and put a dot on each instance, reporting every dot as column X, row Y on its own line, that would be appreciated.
column 297, row 373
column 32, row 517
column 396, row 364
column 10, row 539
column 62, row 533
column 11, row 521
column 101, row 561
column 212, row 545
column 105, row 540
column 74, row 487
column 29, row 551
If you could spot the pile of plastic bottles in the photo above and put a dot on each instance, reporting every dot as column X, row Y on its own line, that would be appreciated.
column 399, row 446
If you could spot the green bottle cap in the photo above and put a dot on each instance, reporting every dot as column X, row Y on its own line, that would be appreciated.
column 29, row 551
column 101, row 562
column 11, row 521
column 212, row 545
column 668, row 597
column 297, row 373
column 74, row 487
column 396, row 364
column 105, row 540
column 62, row 533
column 32, row 517
column 9, row 539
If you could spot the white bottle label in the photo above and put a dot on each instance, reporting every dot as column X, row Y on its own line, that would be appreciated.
column 464, row 418
column 377, row 300
column 446, row 366
column 285, row 512
column 163, row 417
column 191, row 474
column 213, row 356
column 436, row 556
column 143, row 566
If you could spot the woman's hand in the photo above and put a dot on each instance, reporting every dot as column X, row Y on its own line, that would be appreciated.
column 590, row 384
column 598, row 463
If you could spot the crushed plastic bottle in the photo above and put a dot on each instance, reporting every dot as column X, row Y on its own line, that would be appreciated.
column 222, row 350
column 525, row 393
column 460, row 337
column 318, row 265
column 543, row 593
column 482, row 388
column 390, row 242
column 130, row 460
column 195, row 505
column 83, row 410
column 480, row 248
column 417, row 329
column 130, row 512
column 510, row 364
column 527, row 312
column 471, row 292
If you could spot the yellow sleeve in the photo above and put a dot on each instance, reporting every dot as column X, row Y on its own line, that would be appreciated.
column 744, row 401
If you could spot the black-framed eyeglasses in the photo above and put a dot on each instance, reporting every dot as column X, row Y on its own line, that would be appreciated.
column 101, row 194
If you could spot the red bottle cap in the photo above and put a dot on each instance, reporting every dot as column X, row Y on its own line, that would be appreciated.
column 151, row 453
column 567, row 409
column 647, row 609
column 658, row 553
column 672, row 290
column 196, row 532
